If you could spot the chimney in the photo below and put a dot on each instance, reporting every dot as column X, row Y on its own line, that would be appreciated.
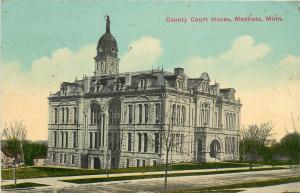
column 128, row 79
column 178, row 71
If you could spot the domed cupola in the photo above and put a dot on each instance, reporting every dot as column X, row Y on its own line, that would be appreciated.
column 107, row 45
column 107, row 61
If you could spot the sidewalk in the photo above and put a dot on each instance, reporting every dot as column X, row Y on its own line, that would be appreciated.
column 55, row 183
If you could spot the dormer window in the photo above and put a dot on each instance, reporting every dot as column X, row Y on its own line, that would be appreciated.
column 142, row 83
column 118, row 86
column 231, row 96
column 179, row 84
column 64, row 90
column 98, row 86
column 100, row 49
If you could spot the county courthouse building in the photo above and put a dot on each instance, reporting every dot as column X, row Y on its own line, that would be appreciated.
column 126, row 119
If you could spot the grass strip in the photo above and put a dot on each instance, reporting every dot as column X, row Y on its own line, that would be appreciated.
column 235, row 187
column 120, row 178
column 22, row 185
column 38, row 172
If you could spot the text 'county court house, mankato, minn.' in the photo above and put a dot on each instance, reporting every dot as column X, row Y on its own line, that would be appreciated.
column 119, row 119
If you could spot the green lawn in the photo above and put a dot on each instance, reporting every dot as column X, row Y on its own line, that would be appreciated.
column 120, row 178
column 22, row 185
column 236, row 187
column 37, row 172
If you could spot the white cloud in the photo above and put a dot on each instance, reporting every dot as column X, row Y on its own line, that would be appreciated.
column 242, row 65
column 142, row 55
column 242, row 53
column 24, row 94
column 244, row 50
column 291, row 60
column 290, row 67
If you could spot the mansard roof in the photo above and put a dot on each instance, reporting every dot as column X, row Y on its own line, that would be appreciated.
column 204, row 76
column 132, row 81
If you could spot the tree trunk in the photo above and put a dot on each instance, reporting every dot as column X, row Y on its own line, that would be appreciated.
column 23, row 157
column 166, row 170
column 107, row 174
column 15, row 175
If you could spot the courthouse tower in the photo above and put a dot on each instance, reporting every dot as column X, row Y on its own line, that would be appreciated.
column 107, row 61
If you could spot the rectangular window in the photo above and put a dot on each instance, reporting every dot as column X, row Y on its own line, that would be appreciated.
column 145, row 142
column 140, row 113
column 67, row 112
column 55, row 115
column 53, row 158
column 157, row 113
column 216, row 119
column 130, row 114
column 73, row 159
column 65, row 158
column 127, row 163
column 156, row 142
column 74, row 139
column 137, row 163
column 177, row 142
column 63, row 115
column 75, row 115
column 67, row 140
column 181, row 143
column 99, row 144
column 129, row 141
column 144, row 163
column 60, row 158
column 154, row 163
column 110, row 141
column 91, row 140
column 96, row 140
column 140, row 142
column 55, row 138
column 146, row 113
column 192, row 117
column 115, row 141
column 62, row 139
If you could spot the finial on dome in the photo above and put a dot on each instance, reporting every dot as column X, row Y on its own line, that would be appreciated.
column 107, row 24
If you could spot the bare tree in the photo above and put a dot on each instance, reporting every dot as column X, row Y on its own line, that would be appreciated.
column 170, row 129
column 14, row 135
column 254, row 138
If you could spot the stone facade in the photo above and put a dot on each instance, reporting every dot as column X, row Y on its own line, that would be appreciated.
column 134, row 119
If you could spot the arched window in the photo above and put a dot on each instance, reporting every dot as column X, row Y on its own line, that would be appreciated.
column 215, row 148
column 95, row 115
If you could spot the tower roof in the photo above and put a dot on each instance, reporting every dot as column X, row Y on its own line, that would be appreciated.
column 107, row 44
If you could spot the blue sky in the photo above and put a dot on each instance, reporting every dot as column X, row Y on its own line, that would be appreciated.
column 47, row 42
column 32, row 29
